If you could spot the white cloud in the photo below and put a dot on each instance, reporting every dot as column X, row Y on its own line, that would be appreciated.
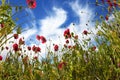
column 50, row 25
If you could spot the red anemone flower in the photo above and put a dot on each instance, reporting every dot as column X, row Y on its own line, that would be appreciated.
column 60, row 65
column 94, row 48
column 38, row 37
column 29, row 48
column 31, row 3
column 85, row 32
column 38, row 49
column 6, row 48
column 106, row 17
column 21, row 41
column 1, row 25
column 34, row 48
column 56, row 47
column 15, row 47
column 1, row 57
column 15, row 36
column 43, row 39
column 67, row 41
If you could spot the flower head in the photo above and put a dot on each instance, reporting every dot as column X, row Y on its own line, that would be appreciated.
column 67, row 41
column 15, row 36
column 29, row 48
column 85, row 32
column 35, row 57
column 106, row 17
column 60, row 65
column 34, row 48
column 31, row 3
column 37, row 37
column 56, row 47
column 76, row 36
column 43, row 39
column 21, row 41
column 6, row 48
column 1, row 57
column 15, row 47
column 38, row 49
column 94, row 48
column 67, row 34
column 1, row 25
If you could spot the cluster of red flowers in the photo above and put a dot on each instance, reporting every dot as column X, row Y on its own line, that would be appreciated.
column 67, row 34
column 36, row 49
column 31, row 3
column 111, row 3
column 15, row 45
column 42, row 38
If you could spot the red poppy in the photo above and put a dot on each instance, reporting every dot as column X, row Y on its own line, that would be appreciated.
column 60, row 65
column 65, row 45
column 1, row 25
column 38, row 49
column 67, row 41
column 21, row 41
column 69, row 46
column 25, row 60
column 94, row 48
column 29, row 48
column 43, row 39
column 38, row 37
column 56, row 47
column 15, row 36
column 106, row 17
column 85, row 32
column 34, row 48
column 76, row 36
column 6, row 48
column 31, row 3
column 35, row 57
column 67, row 34
column 15, row 47
column 1, row 57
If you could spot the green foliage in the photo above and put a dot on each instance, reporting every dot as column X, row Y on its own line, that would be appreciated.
column 6, row 21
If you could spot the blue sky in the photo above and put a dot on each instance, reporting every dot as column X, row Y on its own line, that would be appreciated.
column 51, row 17
column 60, row 13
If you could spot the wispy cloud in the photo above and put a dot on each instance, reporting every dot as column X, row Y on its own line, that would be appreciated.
column 50, row 25
column 30, row 28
